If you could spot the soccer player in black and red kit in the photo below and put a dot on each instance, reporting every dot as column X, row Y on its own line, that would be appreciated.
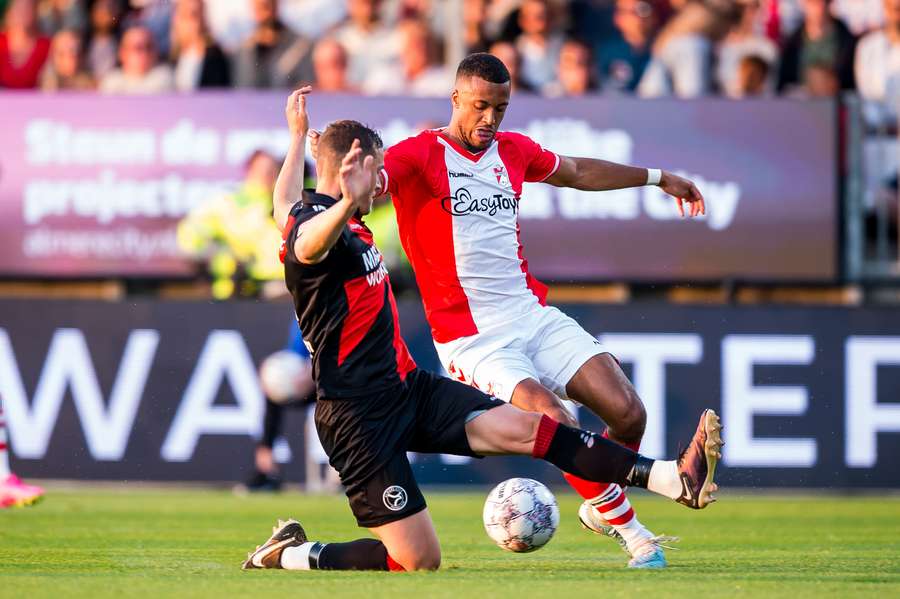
column 374, row 404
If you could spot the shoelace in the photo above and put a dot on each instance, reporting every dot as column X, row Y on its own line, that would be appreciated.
column 656, row 542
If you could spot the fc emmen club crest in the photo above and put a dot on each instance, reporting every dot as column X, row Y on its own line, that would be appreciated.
column 502, row 178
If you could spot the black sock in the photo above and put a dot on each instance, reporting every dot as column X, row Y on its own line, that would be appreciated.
column 586, row 455
column 361, row 554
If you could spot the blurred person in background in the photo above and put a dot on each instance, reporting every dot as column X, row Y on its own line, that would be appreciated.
column 56, row 15
column 819, row 81
column 23, row 50
column 475, row 38
column 155, row 15
column 286, row 380
column 140, row 72
column 199, row 61
column 575, row 72
column 623, row 57
column 745, row 39
column 368, row 41
column 330, row 64
column 273, row 55
column 511, row 59
column 821, row 39
column 232, row 236
column 106, row 18
column 418, row 72
column 66, row 69
column 752, row 79
column 13, row 492
column 538, row 44
column 682, row 56
column 877, row 65
column 860, row 16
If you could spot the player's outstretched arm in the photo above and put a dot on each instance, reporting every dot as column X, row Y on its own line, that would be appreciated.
column 590, row 174
column 319, row 234
column 289, row 186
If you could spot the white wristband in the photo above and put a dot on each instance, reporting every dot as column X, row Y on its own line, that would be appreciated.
column 654, row 176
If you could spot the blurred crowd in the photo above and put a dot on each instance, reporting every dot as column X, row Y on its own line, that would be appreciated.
column 555, row 48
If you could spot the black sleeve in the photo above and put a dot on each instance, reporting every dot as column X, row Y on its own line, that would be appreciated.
column 216, row 70
column 298, row 215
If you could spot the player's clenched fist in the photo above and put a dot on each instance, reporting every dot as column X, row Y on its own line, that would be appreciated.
column 683, row 191
column 295, row 111
column 358, row 177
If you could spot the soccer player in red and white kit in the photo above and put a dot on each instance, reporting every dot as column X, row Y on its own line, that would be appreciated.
column 456, row 192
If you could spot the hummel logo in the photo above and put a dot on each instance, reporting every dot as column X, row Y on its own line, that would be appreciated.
column 452, row 174
column 587, row 439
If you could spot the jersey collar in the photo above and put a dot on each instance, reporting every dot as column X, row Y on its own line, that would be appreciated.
column 311, row 196
column 474, row 157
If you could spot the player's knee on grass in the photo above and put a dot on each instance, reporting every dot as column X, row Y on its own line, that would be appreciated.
column 531, row 396
column 412, row 542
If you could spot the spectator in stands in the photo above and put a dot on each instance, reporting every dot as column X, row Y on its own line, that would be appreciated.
column 474, row 36
column 820, row 39
column 510, row 57
column 66, row 70
column 155, row 15
column 683, row 51
column 575, row 72
column 538, row 44
column 742, row 41
column 139, row 73
column 623, row 57
column 330, row 64
column 752, row 78
column 233, row 236
column 819, row 81
column 273, row 55
column 878, row 62
column 199, row 61
column 369, row 43
column 56, row 15
column 103, row 41
column 23, row 50
column 418, row 73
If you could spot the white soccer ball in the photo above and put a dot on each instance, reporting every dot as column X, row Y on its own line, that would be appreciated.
column 285, row 376
column 521, row 515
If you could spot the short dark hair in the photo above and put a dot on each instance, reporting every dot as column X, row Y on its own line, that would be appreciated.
column 338, row 137
column 484, row 66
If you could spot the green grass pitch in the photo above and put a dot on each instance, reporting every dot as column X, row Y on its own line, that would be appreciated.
column 190, row 543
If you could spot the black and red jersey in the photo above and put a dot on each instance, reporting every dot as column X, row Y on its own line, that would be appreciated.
column 345, row 308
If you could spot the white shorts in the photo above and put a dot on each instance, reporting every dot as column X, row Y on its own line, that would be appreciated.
column 544, row 345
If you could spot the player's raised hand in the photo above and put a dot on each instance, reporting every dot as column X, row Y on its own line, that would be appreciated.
column 314, row 143
column 683, row 191
column 358, row 177
column 295, row 111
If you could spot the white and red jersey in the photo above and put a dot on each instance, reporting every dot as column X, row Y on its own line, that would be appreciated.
column 458, row 219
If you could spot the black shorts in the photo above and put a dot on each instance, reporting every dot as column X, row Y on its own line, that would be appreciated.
column 366, row 439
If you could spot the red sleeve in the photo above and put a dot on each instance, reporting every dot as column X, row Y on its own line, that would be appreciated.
column 400, row 163
column 539, row 163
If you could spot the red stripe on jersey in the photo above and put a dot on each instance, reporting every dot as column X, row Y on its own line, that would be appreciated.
column 405, row 363
column 2, row 446
column 282, row 251
column 364, row 302
column 426, row 232
column 536, row 287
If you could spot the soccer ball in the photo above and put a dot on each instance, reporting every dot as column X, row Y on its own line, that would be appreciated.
column 285, row 376
column 521, row 515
